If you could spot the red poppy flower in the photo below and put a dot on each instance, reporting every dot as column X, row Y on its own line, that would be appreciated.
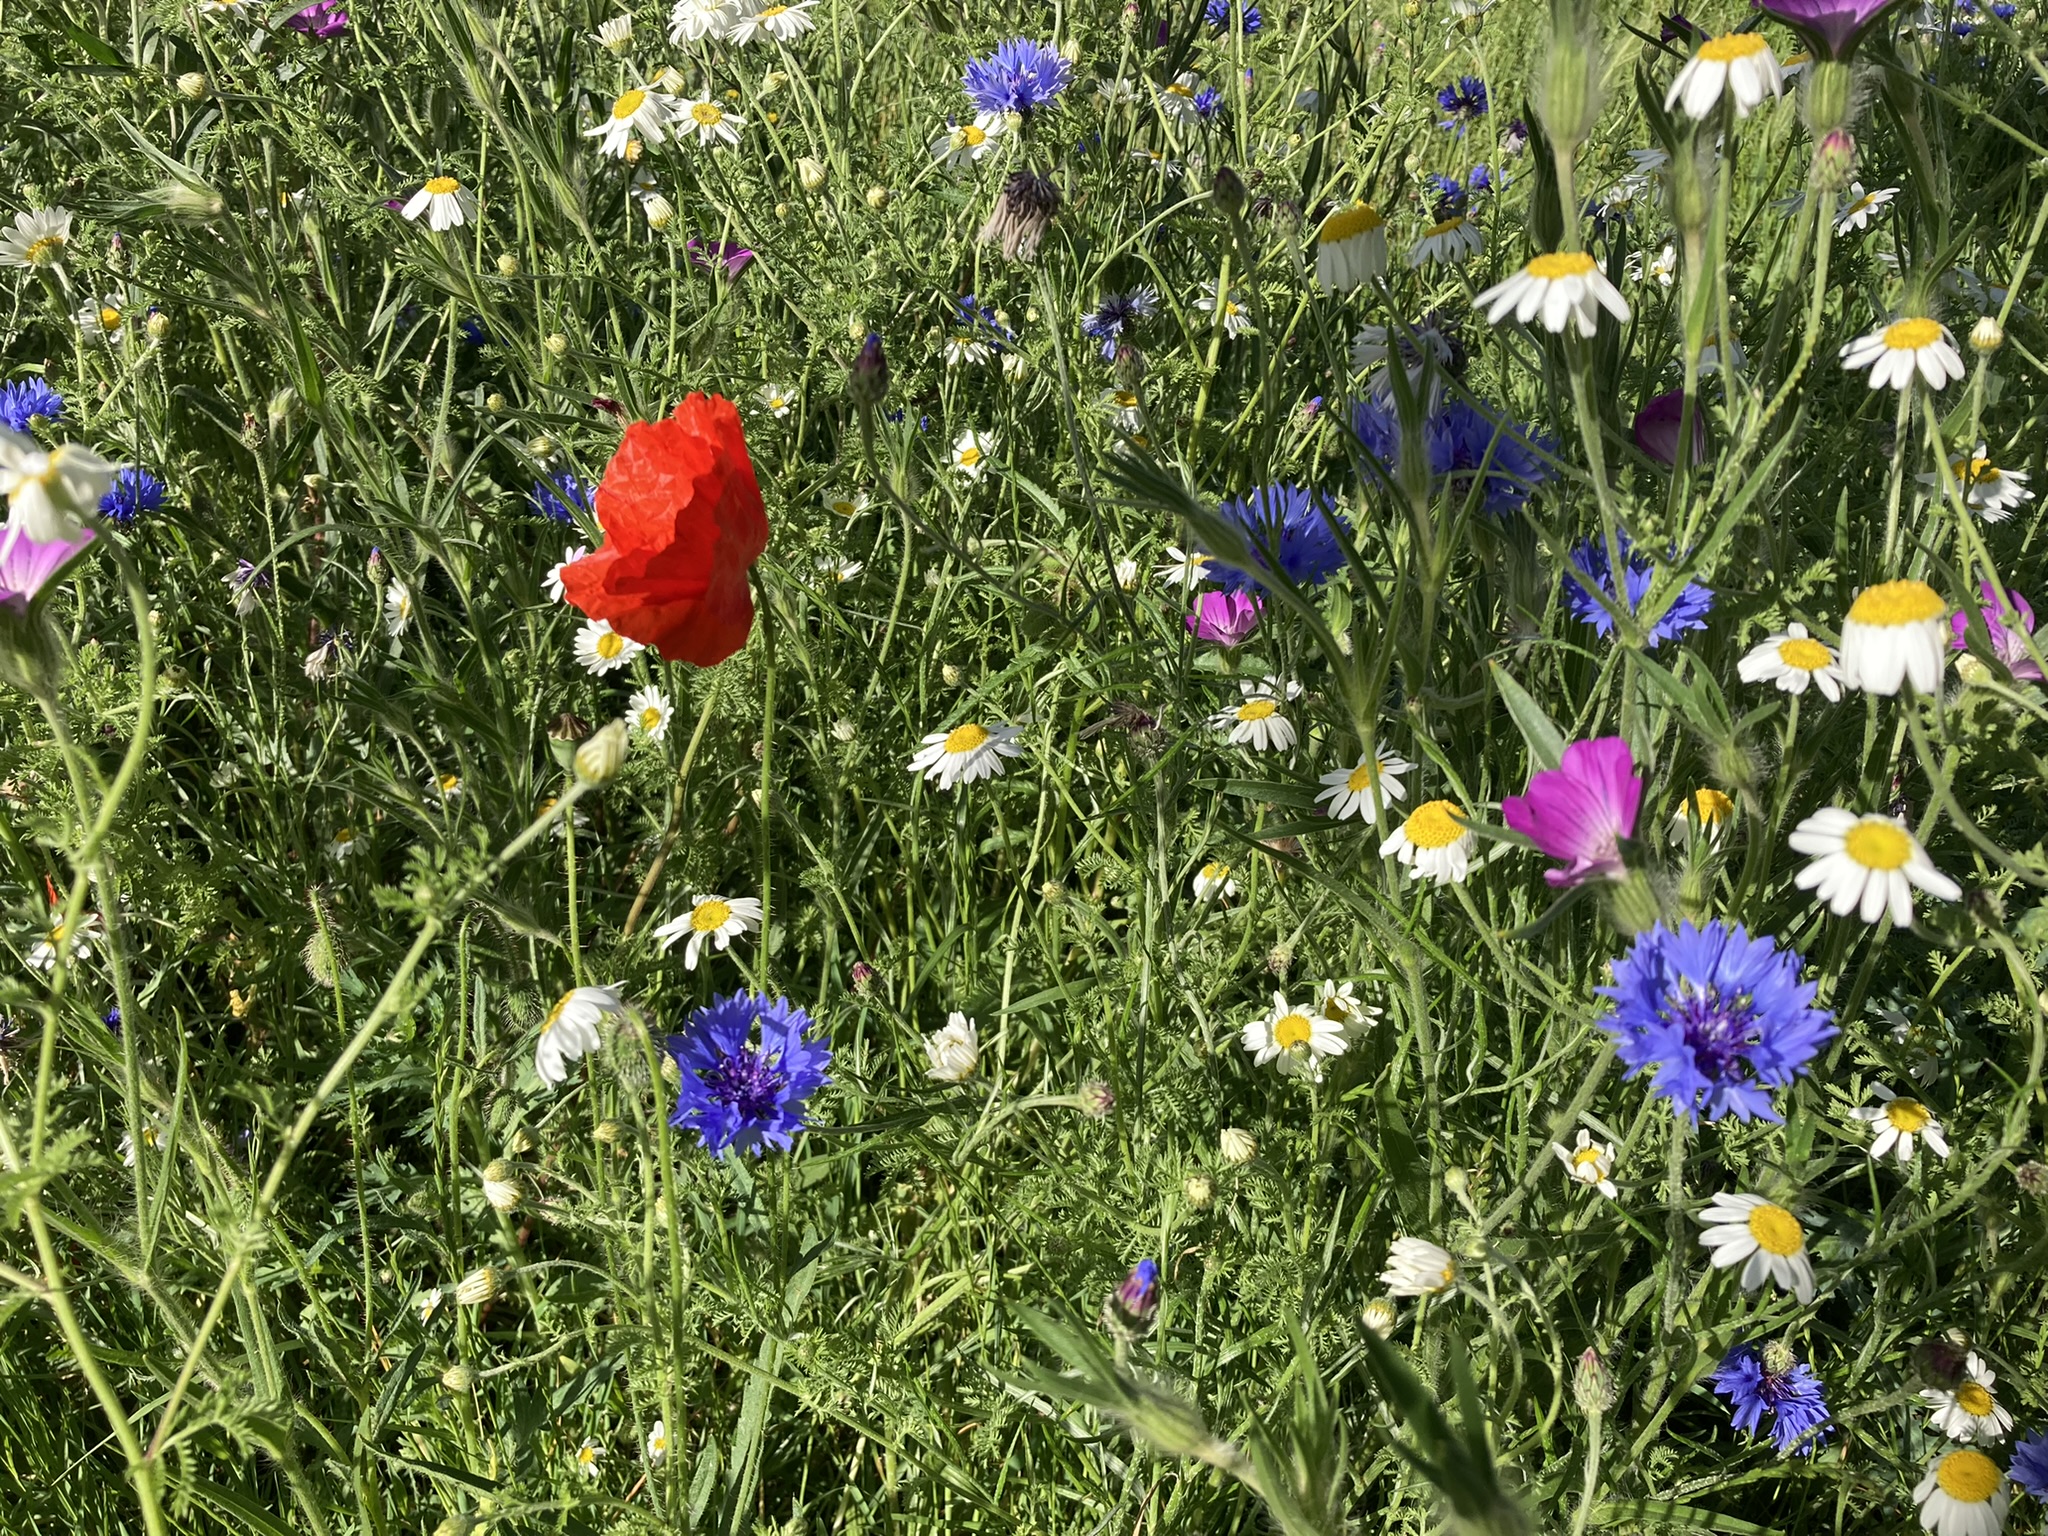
column 683, row 522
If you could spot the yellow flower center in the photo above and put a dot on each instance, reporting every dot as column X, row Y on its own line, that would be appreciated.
column 1776, row 1230
column 968, row 457
column 965, row 738
column 1711, row 806
column 1897, row 602
column 609, row 644
column 710, row 916
column 1125, row 399
column 1911, row 335
column 587, row 1455
column 1587, row 1157
column 441, row 186
column 771, row 10
column 555, row 1013
column 110, row 319
column 1178, row 89
column 1445, row 227
column 1968, row 1477
column 344, row 837
column 707, row 114
column 1292, row 1030
column 450, row 782
column 1974, row 1400
column 971, row 137
column 57, row 932
column 1363, row 777
column 1877, row 844
column 1736, row 45
column 1215, row 874
column 628, row 104
column 1907, row 1116
column 1257, row 709
column 1433, row 824
column 650, row 717
column 1974, row 471
column 45, row 251
column 1798, row 59
column 845, row 508
column 1349, row 223
column 1806, row 655
column 1560, row 264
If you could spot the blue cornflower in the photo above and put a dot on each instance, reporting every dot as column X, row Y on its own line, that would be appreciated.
column 741, row 1088
column 1116, row 312
column 1451, row 198
column 26, row 399
column 554, row 497
column 1287, row 524
column 2029, row 1466
column 1020, row 76
column 979, row 318
column 1207, row 103
column 473, row 332
column 134, row 491
column 1480, row 179
column 1459, row 442
column 1139, row 1294
column 1687, row 611
column 112, row 1019
column 1463, row 102
column 1720, row 1017
column 1770, row 1380
column 1217, row 14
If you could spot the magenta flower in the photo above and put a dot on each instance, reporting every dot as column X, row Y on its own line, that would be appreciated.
column 1833, row 26
column 2007, row 639
column 1581, row 810
column 1225, row 618
column 728, row 253
column 1657, row 427
column 321, row 21
column 28, row 565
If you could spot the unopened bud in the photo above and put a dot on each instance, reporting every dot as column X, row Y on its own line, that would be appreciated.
column 2032, row 1178
column 376, row 567
column 951, row 674
column 868, row 380
column 193, row 86
column 1226, row 190
column 556, row 344
column 459, row 1378
column 1834, row 160
column 812, row 175
column 1974, row 670
column 659, row 210
column 157, row 326
column 1987, row 335
column 1778, row 1357
column 598, row 759
column 1380, row 1316
column 1097, row 1099
column 1592, row 1384
column 508, row 264
column 457, row 1524
column 878, row 198
column 1052, row 893
column 1237, row 1147
column 1200, row 1190
column 1825, row 97
column 863, row 978
column 1568, row 97
column 494, row 403
column 477, row 1287
column 611, row 1133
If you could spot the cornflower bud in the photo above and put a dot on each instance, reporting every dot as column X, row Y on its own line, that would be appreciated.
column 878, row 198
column 868, row 380
column 1592, row 1384
column 1226, row 190
column 157, row 326
column 1834, row 160
column 459, row 1378
column 1097, row 1099
column 556, row 344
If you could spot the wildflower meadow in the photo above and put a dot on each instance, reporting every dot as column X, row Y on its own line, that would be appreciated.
column 1111, row 767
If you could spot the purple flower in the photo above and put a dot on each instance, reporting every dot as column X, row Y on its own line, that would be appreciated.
column 2030, row 1464
column 1284, row 525
column 134, row 491
column 1719, row 1017
column 744, row 1087
column 1589, row 556
column 1771, row 1380
column 1139, row 1294
column 1581, row 810
column 321, row 21
column 1020, row 76
column 1463, row 101
column 28, row 565
column 727, row 253
column 1834, row 27
column 1217, row 15
column 25, row 399
column 1225, row 618
column 2007, row 639
column 1116, row 313
column 868, row 380
column 1658, row 425
column 553, row 497
column 1516, row 139
column 1460, row 440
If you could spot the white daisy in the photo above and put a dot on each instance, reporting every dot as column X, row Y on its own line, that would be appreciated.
column 1894, row 353
column 603, row 649
column 1588, row 1162
column 1448, row 240
column 716, row 920
column 1124, row 408
column 1235, row 321
column 962, row 144
column 1360, row 791
column 1183, row 567
column 712, row 124
column 615, row 35
column 1126, row 573
column 448, row 787
column 649, row 712
column 152, row 1137
column 1338, row 1002
column 955, row 1051
column 554, row 581
column 105, row 321
column 426, row 1304
column 779, row 399
column 1992, row 493
column 50, row 492
column 1739, row 64
column 446, row 202
column 1177, row 100
column 1256, row 722
column 569, row 1032
column 587, row 1456
column 637, row 114
column 966, row 753
column 397, row 608
column 1560, row 288
column 1434, row 842
column 343, row 843
column 1969, row 1412
column 835, row 569
column 1792, row 660
column 1895, row 634
column 1214, row 879
column 973, row 452
column 1769, row 1237
column 1862, row 206
column 1296, row 1039
column 1417, row 1267
column 1963, row 1494
column 657, row 1443
column 843, row 504
column 692, row 21
column 1711, row 349
column 1867, row 865
column 1898, row 1121
column 784, row 23
column 38, row 238
column 965, row 348
column 1158, row 160
column 1351, row 248
column 77, row 938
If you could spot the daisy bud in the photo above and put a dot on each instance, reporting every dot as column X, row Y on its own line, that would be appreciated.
column 773, row 81
column 782, row 210
column 1097, row 1099
column 598, row 759
column 519, row 1143
column 2032, row 1178
column 1200, row 1190
column 157, row 326
column 508, row 264
column 951, row 674
column 1380, row 1316
column 477, row 1287
column 495, row 403
column 1974, row 671
column 1834, row 160
column 459, row 1378
column 193, row 86
column 659, row 210
column 1052, row 893
column 542, row 447
column 878, row 198
column 812, row 174
column 457, row 1524
column 556, row 344
column 1237, row 1147
column 844, row 730
column 1456, row 1181
column 1592, row 1384
column 1986, row 336
column 501, row 1186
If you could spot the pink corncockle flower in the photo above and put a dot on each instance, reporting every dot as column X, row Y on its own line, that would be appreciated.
column 2007, row 639
column 1581, row 810
column 321, row 21
column 1834, row 27
column 28, row 565
column 1225, row 618
column 1657, row 427
column 729, row 253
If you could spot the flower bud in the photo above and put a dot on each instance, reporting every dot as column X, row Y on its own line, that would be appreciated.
column 951, row 674
column 1834, row 160
column 1778, row 1357
column 773, row 81
column 541, row 447
column 1380, row 1316
column 1237, row 1147
column 1568, row 94
column 1138, row 1296
column 868, row 380
column 457, row 1524
column 598, row 759
column 501, row 1186
column 194, row 86
column 1974, row 671
column 863, row 978
column 612, row 1133
column 1825, row 97
column 508, row 264
column 1097, row 1099
column 1052, row 893
column 495, row 403
column 1226, row 190
column 1592, row 1384
column 157, row 326
column 556, row 344
column 1986, row 336
column 477, row 1287
column 459, row 1378
column 376, row 567
column 878, row 198
column 659, row 210
column 1200, row 1190
column 2032, row 1178
column 812, row 174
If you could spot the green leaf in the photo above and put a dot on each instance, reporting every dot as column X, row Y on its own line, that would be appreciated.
column 1546, row 741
